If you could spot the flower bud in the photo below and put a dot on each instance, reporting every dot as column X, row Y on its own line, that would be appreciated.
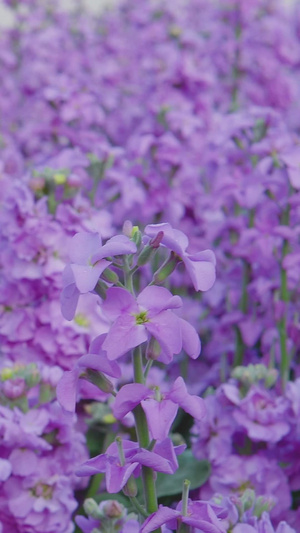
column 130, row 489
column 91, row 508
column 112, row 509
column 166, row 269
column 110, row 276
column 136, row 236
column 99, row 379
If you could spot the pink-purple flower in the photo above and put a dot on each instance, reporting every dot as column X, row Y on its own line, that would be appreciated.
column 136, row 320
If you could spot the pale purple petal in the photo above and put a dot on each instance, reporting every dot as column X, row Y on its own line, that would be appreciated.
column 165, row 328
column 86, row 277
column 191, row 404
column 167, row 449
column 66, row 390
column 123, row 336
column 117, row 245
column 155, row 461
column 160, row 416
column 201, row 270
column 87, row 525
column 128, row 397
column 173, row 239
column 5, row 469
column 119, row 301
column 156, row 520
column 69, row 295
column 100, row 363
column 93, row 466
column 23, row 462
column 82, row 246
column 117, row 476
column 244, row 528
column 190, row 339
column 156, row 299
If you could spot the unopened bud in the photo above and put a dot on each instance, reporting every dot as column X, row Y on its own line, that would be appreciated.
column 263, row 503
column 166, row 269
column 59, row 178
column 110, row 276
column 91, row 508
column 248, row 499
column 136, row 236
column 98, row 379
column 155, row 241
column 113, row 509
column 127, row 228
column 271, row 377
column 153, row 350
column 130, row 489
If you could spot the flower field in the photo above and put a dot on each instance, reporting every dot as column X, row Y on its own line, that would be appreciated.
column 150, row 268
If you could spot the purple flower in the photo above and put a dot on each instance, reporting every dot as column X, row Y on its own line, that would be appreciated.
column 118, row 472
column 160, row 409
column 200, row 515
column 96, row 359
column 134, row 320
column 201, row 266
column 87, row 264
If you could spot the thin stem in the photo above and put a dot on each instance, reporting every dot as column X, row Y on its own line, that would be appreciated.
column 143, row 437
column 282, row 323
column 147, row 368
column 138, row 507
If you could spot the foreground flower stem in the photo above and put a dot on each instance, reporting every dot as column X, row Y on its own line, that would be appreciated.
column 284, row 295
column 143, row 436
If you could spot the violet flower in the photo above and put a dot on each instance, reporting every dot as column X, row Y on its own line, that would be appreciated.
column 118, row 472
column 134, row 320
column 67, row 387
column 201, row 266
column 160, row 409
column 87, row 264
column 201, row 515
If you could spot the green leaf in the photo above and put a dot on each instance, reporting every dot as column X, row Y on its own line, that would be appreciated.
column 197, row 472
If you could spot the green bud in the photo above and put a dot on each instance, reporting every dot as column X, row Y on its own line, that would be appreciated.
column 248, row 499
column 136, row 236
column 262, row 504
column 145, row 255
column 59, row 178
column 6, row 373
column 110, row 276
column 91, row 508
column 271, row 377
column 101, row 289
column 166, row 269
column 98, row 379
column 130, row 489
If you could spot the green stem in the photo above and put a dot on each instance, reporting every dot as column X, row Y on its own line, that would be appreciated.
column 282, row 323
column 143, row 437
column 138, row 507
column 239, row 346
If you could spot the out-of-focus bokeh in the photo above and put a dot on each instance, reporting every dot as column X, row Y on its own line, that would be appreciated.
column 6, row 14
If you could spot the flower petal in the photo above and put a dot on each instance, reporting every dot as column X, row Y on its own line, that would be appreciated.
column 123, row 336
column 119, row 301
column 128, row 397
column 66, row 390
column 160, row 416
column 190, row 339
column 82, row 246
column 194, row 405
